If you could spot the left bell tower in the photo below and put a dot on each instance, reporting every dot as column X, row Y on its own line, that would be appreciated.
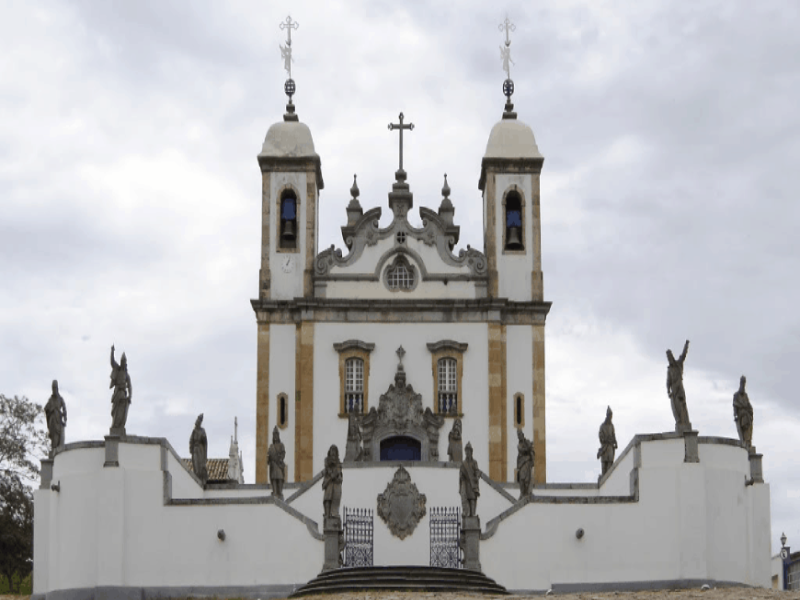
column 291, row 179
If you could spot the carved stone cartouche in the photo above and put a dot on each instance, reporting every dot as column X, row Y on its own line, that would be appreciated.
column 401, row 506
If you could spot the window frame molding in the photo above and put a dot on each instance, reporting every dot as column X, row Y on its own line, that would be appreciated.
column 297, row 244
column 454, row 350
column 285, row 397
column 521, row 397
column 514, row 188
column 353, row 349
column 416, row 273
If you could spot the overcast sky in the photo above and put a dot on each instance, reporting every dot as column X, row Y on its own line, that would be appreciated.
column 671, row 132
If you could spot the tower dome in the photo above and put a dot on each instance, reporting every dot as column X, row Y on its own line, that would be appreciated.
column 288, row 139
column 511, row 138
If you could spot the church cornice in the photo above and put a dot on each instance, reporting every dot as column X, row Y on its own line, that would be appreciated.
column 509, row 165
column 292, row 163
column 352, row 310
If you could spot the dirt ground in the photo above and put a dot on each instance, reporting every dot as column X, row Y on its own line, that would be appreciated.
column 732, row 593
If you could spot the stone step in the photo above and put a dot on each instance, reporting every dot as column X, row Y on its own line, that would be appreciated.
column 433, row 579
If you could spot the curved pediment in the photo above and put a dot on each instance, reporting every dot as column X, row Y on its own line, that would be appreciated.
column 365, row 234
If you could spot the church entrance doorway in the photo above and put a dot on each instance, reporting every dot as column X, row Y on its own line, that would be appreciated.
column 401, row 447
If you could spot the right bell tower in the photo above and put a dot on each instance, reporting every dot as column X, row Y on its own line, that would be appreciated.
column 512, row 230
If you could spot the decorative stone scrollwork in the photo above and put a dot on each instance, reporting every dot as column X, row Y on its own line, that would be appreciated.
column 401, row 506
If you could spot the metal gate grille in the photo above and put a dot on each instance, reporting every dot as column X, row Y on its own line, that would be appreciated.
column 357, row 537
column 445, row 525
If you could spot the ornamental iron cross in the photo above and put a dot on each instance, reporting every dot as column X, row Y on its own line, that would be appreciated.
column 410, row 127
column 286, row 51
column 505, row 53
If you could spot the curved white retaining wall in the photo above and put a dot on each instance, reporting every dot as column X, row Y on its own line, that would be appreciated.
column 147, row 525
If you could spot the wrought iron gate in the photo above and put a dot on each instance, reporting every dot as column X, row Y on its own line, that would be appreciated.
column 358, row 525
column 445, row 523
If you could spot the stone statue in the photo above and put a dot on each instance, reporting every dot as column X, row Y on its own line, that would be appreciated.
column 743, row 414
column 56, row 414
column 276, row 456
column 468, row 477
column 332, row 484
column 608, row 443
column 123, row 392
column 198, row 447
column 676, row 392
column 454, row 450
column 525, row 456
column 353, row 450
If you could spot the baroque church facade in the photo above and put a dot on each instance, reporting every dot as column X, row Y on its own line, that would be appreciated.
column 336, row 327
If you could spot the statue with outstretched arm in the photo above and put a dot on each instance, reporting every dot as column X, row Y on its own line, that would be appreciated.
column 677, row 394
column 122, row 394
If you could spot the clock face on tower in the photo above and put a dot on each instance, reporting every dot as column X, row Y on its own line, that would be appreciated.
column 287, row 264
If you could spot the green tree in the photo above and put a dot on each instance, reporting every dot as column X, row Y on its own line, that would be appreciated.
column 22, row 441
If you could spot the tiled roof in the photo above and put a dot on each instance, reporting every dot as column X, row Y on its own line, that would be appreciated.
column 217, row 468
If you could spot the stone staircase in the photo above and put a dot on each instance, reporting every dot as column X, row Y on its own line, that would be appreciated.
column 421, row 579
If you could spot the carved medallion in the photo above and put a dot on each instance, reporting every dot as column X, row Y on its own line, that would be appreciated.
column 401, row 506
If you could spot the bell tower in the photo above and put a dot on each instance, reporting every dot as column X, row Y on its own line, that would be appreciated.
column 509, row 181
column 291, row 178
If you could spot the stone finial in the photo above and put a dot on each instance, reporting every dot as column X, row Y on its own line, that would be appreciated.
column 446, row 209
column 354, row 210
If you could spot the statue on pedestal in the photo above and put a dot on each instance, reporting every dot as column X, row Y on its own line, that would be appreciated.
column 56, row 414
column 332, row 484
column 276, row 456
column 454, row 450
column 743, row 414
column 675, row 390
column 468, row 477
column 525, row 455
column 198, row 447
column 123, row 392
column 608, row 443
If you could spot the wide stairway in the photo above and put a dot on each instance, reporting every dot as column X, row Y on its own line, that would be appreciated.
column 420, row 579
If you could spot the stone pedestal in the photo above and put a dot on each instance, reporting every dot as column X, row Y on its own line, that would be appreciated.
column 471, row 539
column 690, row 444
column 46, row 473
column 334, row 540
column 756, row 474
column 112, row 451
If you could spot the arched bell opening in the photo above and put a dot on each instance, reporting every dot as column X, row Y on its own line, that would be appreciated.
column 401, row 447
column 513, row 221
column 288, row 233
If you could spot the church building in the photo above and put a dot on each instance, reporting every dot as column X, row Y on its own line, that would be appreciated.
column 335, row 327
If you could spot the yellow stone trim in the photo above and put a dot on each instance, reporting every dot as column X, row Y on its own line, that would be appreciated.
column 491, row 237
column 459, row 358
column 264, row 276
column 304, row 402
column 298, row 200
column 262, row 402
column 521, row 397
column 498, row 425
column 539, row 412
column 285, row 398
column 343, row 356
column 311, row 228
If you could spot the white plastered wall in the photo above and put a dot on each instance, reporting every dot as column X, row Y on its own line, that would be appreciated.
column 286, row 286
column 283, row 359
column 519, row 379
column 414, row 337
column 514, row 270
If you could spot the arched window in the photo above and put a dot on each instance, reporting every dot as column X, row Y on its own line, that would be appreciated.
column 514, row 234
column 288, row 228
column 354, row 385
column 448, row 386
column 400, row 275
column 519, row 410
